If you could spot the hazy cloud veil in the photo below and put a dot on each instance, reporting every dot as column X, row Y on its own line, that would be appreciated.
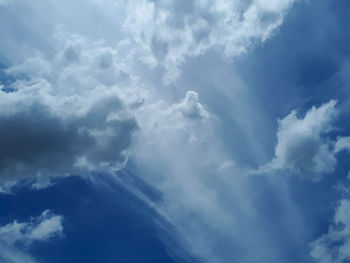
column 169, row 92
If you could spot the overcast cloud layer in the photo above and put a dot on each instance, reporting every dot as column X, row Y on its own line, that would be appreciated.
column 219, row 107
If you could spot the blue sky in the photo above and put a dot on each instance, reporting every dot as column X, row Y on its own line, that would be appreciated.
column 174, row 131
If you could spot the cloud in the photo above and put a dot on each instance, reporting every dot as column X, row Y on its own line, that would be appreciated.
column 12, row 235
column 190, row 106
column 41, row 228
column 173, row 31
column 334, row 247
column 76, row 101
column 12, row 255
column 65, row 115
column 342, row 143
column 211, row 200
column 75, row 95
column 302, row 146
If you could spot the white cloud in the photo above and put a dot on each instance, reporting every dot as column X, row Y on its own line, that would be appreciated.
column 190, row 106
column 334, row 247
column 40, row 228
column 58, row 119
column 173, row 31
column 94, row 90
column 78, row 94
column 209, row 198
column 302, row 146
column 211, row 201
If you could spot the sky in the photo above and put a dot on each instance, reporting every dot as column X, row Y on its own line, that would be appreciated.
column 174, row 131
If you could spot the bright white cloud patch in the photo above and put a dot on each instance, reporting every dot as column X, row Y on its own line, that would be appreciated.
column 40, row 228
column 302, row 146
column 190, row 106
column 334, row 247
column 66, row 115
column 169, row 32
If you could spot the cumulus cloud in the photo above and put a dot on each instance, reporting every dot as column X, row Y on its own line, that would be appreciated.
column 160, row 120
column 169, row 32
column 71, row 108
column 334, row 247
column 302, row 146
column 190, row 106
column 65, row 115
column 41, row 228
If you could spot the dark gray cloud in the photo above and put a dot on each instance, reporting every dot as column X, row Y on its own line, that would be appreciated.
column 67, row 113
column 37, row 141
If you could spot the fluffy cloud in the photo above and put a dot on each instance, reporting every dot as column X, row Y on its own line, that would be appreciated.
column 40, row 228
column 190, row 106
column 169, row 32
column 65, row 115
column 72, row 106
column 302, row 146
column 334, row 247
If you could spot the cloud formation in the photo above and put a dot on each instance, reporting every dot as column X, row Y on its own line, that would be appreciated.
column 12, row 235
column 334, row 247
column 41, row 228
column 343, row 143
column 190, row 106
column 212, row 201
column 75, row 96
column 75, row 104
column 302, row 146
column 64, row 116
column 169, row 32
